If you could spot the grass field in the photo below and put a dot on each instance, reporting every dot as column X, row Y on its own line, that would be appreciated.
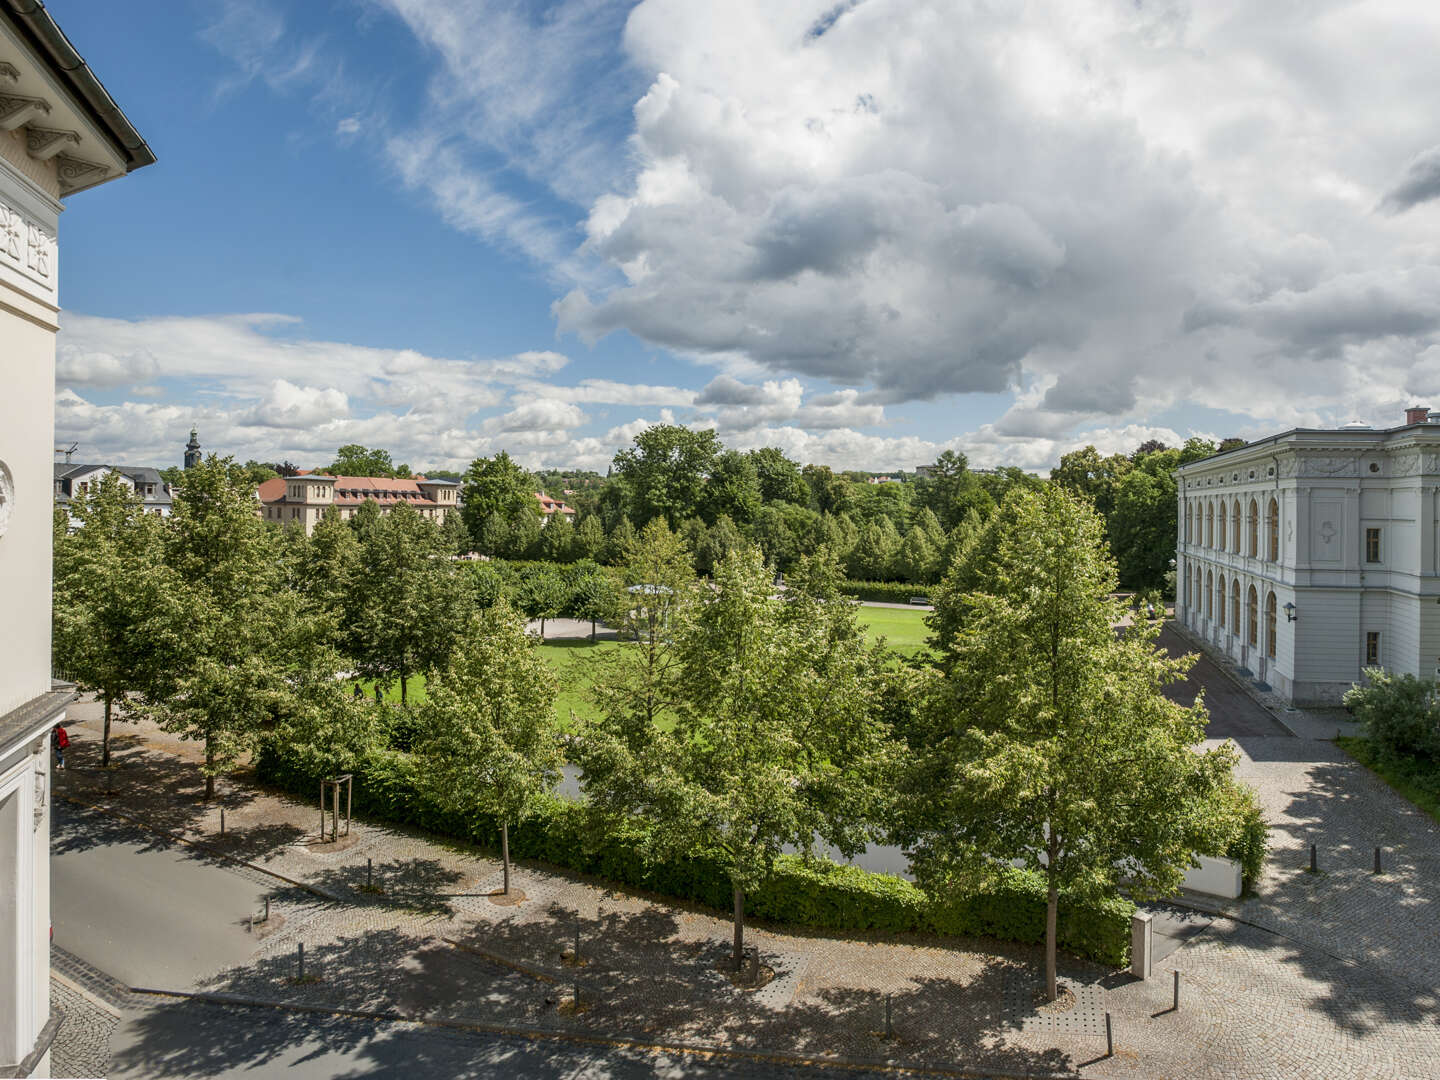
column 904, row 631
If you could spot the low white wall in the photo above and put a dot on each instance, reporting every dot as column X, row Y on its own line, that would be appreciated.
column 1214, row 877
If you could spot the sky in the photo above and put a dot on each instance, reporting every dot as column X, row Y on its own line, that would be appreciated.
column 863, row 231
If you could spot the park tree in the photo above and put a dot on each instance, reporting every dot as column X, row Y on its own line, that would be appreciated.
column 597, row 597
column 951, row 489
column 619, row 542
column 1049, row 740
column 1086, row 473
column 917, row 558
column 356, row 460
column 366, row 519
column 409, row 604
column 331, row 577
column 664, row 472
column 874, row 554
column 830, row 494
column 496, row 485
column 732, row 490
column 543, row 594
column 557, row 539
column 774, row 740
column 494, row 536
column 779, row 477
column 114, row 597
column 236, row 635
column 491, row 745
column 522, row 537
column 590, row 538
column 457, row 535
column 719, row 541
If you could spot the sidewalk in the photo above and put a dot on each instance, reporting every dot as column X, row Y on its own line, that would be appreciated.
column 437, row 945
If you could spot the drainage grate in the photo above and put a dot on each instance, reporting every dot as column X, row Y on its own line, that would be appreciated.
column 1086, row 1018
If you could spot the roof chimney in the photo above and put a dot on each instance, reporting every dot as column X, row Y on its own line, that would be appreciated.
column 1419, row 414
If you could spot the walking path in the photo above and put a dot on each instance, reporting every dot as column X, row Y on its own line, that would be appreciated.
column 1344, row 989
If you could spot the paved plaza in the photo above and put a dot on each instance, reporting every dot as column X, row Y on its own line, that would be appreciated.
column 1331, row 974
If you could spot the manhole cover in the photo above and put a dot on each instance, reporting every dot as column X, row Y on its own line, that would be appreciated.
column 1028, row 1011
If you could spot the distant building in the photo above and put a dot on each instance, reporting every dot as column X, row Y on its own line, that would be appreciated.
column 550, row 507
column 882, row 480
column 60, row 133
column 192, row 450
column 72, row 480
column 302, row 500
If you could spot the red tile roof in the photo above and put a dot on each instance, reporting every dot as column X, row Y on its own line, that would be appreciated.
column 354, row 490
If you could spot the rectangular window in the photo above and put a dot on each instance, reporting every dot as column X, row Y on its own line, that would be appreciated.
column 1372, row 545
column 1372, row 649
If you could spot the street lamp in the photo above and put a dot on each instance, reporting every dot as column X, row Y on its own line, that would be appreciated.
column 1289, row 612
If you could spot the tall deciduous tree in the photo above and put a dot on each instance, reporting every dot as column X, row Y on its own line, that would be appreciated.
column 237, row 634
column 952, row 489
column 780, row 479
column 775, row 739
column 114, row 597
column 664, row 472
column 356, row 460
column 407, row 604
column 491, row 744
column 496, row 486
column 1049, row 739
column 590, row 538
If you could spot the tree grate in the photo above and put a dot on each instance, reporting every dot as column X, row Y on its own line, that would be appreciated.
column 1087, row 1017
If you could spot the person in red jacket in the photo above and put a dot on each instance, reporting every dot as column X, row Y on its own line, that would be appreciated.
column 60, row 739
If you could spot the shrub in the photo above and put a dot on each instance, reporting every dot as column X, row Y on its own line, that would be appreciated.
column 807, row 892
column 1251, row 837
column 893, row 592
column 1400, row 714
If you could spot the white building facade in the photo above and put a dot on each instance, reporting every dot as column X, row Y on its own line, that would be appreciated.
column 59, row 133
column 1312, row 555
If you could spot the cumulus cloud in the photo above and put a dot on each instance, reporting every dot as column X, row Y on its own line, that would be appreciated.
column 1421, row 183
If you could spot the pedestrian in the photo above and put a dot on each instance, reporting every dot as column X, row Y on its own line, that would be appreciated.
column 60, row 740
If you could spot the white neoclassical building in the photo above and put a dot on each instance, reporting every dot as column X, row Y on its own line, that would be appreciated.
column 1311, row 555
column 60, row 133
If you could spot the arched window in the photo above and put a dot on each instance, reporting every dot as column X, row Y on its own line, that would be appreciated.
column 1272, row 524
column 1220, row 530
column 1270, row 625
column 1235, row 605
column 1209, row 586
column 1209, row 524
column 1252, row 601
column 1235, row 527
column 1220, row 602
column 1254, row 549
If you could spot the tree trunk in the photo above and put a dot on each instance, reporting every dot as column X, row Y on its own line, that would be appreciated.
column 209, row 770
column 105, row 737
column 403, row 681
column 592, row 631
column 1052, row 907
column 377, row 692
column 542, row 627
column 505, row 855
column 739, row 927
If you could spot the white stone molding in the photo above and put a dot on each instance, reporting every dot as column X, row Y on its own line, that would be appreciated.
column 1329, row 466
column 44, row 143
column 9, row 71
column 17, row 109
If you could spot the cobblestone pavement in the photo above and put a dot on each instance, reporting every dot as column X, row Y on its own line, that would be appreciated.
column 1342, row 990
column 82, row 1046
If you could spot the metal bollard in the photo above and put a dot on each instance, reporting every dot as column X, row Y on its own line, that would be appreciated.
column 1176, row 1006
column 577, row 942
column 300, row 955
column 889, row 1026
column 577, row 993
column 222, row 821
column 1109, row 1038
column 1377, row 861
column 369, row 872
column 267, row 909
column 1312, row 859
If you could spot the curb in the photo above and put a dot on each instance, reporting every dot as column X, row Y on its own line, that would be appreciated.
column 324, row 894
column 1203, row 648
column 612, row 1041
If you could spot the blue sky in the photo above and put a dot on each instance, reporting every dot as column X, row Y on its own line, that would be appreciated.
column 863, row 232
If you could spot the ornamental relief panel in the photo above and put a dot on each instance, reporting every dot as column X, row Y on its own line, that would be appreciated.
column 26, row 246
column 1404, row 464
column 1329, row 466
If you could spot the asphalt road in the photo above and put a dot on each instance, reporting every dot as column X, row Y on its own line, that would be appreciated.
column 195, row 1039
column 148, row 912
column 1234, row 714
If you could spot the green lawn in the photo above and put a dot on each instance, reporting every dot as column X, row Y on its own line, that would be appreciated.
column 904, row 631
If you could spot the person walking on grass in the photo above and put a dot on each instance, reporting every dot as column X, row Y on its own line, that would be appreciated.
column 60, row 740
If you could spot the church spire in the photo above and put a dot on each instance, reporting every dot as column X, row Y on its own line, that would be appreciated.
column 192, row 450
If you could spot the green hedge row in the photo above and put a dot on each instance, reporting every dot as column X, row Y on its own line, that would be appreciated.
column 817, row 893
column 893, row 592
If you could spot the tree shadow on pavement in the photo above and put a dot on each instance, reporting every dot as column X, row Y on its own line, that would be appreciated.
column 417, row 884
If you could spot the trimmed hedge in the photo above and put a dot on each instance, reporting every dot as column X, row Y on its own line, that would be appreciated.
column 891, row 592
column 818, row 892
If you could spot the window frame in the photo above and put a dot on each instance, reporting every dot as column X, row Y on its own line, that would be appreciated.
column 1374, row 553
column 1372, row 648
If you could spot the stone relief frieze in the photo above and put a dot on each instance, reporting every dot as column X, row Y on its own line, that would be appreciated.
column 1329, row 466
column 1405, row 464
column 12, row 230
column 1431, row 462
column 1288, row 466
column 26, row 246
column 38, row 246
